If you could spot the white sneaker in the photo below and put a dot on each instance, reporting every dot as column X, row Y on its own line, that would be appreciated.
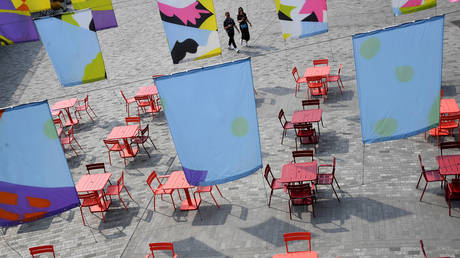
column 237, row 50
column 230, row 47
column 241, row 42
column 247, row 44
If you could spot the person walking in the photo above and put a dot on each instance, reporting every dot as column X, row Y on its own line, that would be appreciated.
column 243, row 21
column 229, row 24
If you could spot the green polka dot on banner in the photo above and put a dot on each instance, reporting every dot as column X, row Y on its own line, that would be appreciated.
column 369, row 48
column 386, row 127
column 49, row 129
column 163, row 103
column 433, row 116
column 240, row 127
column 404, row 73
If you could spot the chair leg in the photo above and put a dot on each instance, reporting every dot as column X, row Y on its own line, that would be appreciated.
column 146, row 150
column 270, row 198
column 282, row 135
column 296, row 143
column 449, row 207
column 89, row 115
column 423, row 191
column 75, row 139
column 73, row 149
column 313, row 209
column 154, row 202
column 341, row 93
column 153, row 143
column 81, row 211
column 214, row 200
column 172, row 201
column 341, row 81
column 178, row 193
column 103, row 218
column 126, row 189
column 92, row 110
column 219, row 191
column 332, row 184
column 290, row 214
column 122, row 201
column 420, row 178
column 337, row 183
column 110, row 160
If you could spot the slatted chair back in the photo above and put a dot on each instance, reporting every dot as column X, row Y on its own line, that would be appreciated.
column 312, row 79
column 133, row 119
column 95, row 166
column 41, row 249
column 296, row 236
column 449, row 145
column 295, row 73
column 152, row 177
column 58, row 121
column 282, row 118
column 310, row 102
column 123, row 95
column 320, row 62
column 302, row 153
column 89, row 199
column 162, row 246
column 269, row 175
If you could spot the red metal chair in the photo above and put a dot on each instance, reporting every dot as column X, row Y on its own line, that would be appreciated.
column 306, row 134
column 449, row 145
column 429, row 175
column 424, row 253
column 113, row 145
column 147, row 104
column 159, row 189
column 328, row 178
column 133, row 119
column 95, row 166
column 143, row 137
column 68, row 138
column 273, row 182
column 207, row 189
column 336, row 78
column 161, row 246
column 298, row 80
column 295, row 236
column 83, row 105
column 452, row 191
column 127, row 101
column 316, row 87
column 96, row 202
column 302, row 153
column 320, row 62
column 312, row 102
column 41, row 249
column 447, row 123
column 116, row 189
column 284, row 123
column 302, row 193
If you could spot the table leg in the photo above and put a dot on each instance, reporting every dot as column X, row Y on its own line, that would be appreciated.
column 189, row 203
column 67, row 110
column 128, row 147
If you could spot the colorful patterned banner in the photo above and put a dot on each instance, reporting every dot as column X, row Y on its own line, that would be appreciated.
column 16, row 24
column 399, row 73
column 73, row 47
column 302, row 18
column 103, row 14
column 36, row 5
column 35, row 181
column 217, row 140
column 191, row 29
column 410, row 6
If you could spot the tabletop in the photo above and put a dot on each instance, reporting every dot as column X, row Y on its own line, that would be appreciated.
column 147, row 91
column 177, row 180
column 92, row 182
column 64, row 104
column 449, row 164
column 305, row 254
column 307, row 116
column 317, row 71
column 299, row 172
column 448, row 106
column 123, row 132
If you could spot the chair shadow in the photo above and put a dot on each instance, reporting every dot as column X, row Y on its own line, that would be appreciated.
column 336, row 97
column 278, row 90
column 192, row 247
column 449, row 90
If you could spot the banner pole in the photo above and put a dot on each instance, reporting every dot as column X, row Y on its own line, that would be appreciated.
column 362, row 178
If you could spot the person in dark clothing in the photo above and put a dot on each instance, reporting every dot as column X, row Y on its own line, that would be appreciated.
column 229, row 24
column 243, row 21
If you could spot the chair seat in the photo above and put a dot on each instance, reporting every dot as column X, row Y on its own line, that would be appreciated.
column 440, row 132
column 318, row 91
column 302, row 80
column 203, row 189
column 325, row 179
column 153, row 110
column 140, row 139
column 66, row 140
column 125, row 154
column 117, row 147
column 333, row 78
column 113, row 190
column 88, row 202
column 75, row 121
column 288, row 125
column 305, row 133
column 277, row 184
column 104, row 207
column 449, row 125
column 161, row 190
column 81, row 108
column 433, row 176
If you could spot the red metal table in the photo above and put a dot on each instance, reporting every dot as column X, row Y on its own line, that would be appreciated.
column 66, row 105
column 449, row 164
column 317, row 71
column 92, row 182
column 305, row 254
column 177, row 180
column 299, row 172
column 308, row 116
column 147, row 91
column 448, row 106
column 124, row 133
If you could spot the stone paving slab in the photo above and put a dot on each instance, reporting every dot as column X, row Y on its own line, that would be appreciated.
column 379, row 214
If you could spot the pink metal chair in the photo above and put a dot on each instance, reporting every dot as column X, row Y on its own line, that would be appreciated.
column 116, row 189
column 207, row 189
column 452, row 191
column 159, row 190
column 83, row 105
column 295, row 236
column 336, row 78
column 317, row 87
column 447, row 124
column 161, row 247
column 320, row 62
column 306, row 134
column 298, row 80
column 68, row 138
column 302, row 193
column 328, row 178
column 113, row 145
column 273, row 182
column 41, row 250
column 429, row 175
column 127, row 101
column 96, row 202
column 284, row 123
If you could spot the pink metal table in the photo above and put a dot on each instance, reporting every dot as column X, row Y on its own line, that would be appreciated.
column 299, row 172
column 124, row 133
column 147, row 91
column 66, row 105
column 92, row 182
column 449, row 164
column 308, row 116
column 177, row 180
column 317, row 71
column 305, row 254
column 448, row 106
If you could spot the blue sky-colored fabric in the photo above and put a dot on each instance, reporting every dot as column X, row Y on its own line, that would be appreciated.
column 399, row 74
column 34, row 166
column 180, row 33
column 212, row 116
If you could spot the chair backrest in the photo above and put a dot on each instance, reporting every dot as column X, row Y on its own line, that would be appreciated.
column 449, row 145
column 110, row 142
column 161, row 246
column 421, row 163
column 94, row 166
column 310, row 102
column 123, row 95
column 41, row 249
column 133, row 119
column 145, row 130
column 282, row 118
column 86, row 99
column 295, row 73
column 295, row 236
column 267, row 173
column 444, row 119
column 303, row 127
column 320, row 62
column 121, row 180
column 91, row 198
column 340, row 68
column 423, row 248
column 302, row 153
column 145, row 97
column 152, row 177
column 58, row 121
column 311, row 79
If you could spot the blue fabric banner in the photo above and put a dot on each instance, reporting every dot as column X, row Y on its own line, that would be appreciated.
column 399, row 74
column 212, row 117
column 35, row 181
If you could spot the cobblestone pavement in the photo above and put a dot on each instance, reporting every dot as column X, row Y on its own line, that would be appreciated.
column 379, row 214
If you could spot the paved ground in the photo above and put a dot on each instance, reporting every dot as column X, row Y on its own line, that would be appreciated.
column 379, row 216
